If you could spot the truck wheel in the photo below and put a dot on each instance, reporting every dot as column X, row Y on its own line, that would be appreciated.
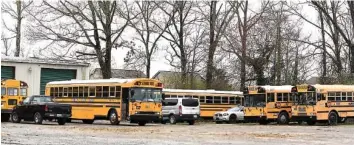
column 191, row 122
column 283, row 118
column 15, row 118
column 172, row 119
column 37, row 117
column 332, row 118
column 5, row 117
column 142, row 123
column 88, row 121
column 113, row 118
column 61, row 121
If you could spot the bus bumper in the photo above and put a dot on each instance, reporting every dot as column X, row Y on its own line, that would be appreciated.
column 303, row 118
column 145, row 117
column 6, row 111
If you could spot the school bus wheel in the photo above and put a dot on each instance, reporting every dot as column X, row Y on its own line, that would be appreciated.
column 113, row 117
column 332, row 118
column 283, row 118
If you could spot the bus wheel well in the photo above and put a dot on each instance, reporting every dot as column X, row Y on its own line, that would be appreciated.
column 109, row 111
column 335, row 111
column 284, row 111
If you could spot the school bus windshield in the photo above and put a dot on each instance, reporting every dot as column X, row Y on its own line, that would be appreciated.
column 146, row 94
column 256, row 100
column 305, row 98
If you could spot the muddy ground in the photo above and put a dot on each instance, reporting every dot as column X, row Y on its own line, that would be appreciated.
column 181, row 134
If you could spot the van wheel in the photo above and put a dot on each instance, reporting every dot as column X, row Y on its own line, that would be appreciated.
column 15, row 118
column 88, row 121
column 61, row 121
column 113, row 118
column 332, row 118
column 37, row 117
column 232, row 118
column 142, row 123
column 191, row 122
column 172, row 119
column 283, row 118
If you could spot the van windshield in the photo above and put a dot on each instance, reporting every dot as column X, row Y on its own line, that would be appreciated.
column 190, row 102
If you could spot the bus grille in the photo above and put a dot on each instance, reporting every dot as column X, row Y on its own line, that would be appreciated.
column 12, row 102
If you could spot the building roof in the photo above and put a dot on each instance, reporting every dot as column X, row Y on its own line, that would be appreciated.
column 165, row 73
column 122, row 73
column 43, row 61
column 113, row 80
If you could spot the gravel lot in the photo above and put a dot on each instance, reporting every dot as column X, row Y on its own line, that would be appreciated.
column 157, row 134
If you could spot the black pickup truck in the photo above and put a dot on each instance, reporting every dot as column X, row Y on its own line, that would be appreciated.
column 38, row 108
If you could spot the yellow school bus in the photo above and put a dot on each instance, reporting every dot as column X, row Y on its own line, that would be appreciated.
column 268, row 104
column 323, row 103
column 211, row 101
column 12, row 92
column 135, row 100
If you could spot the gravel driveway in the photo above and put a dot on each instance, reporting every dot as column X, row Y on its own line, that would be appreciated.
column 156, row 134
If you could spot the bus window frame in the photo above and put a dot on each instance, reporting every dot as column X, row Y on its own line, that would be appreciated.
column 65, row 91
column 21, row 91
column 94, row 91
column 13, row 91
column 281, row 96
column 3, row 89
column 227, row 98
column 202, row 100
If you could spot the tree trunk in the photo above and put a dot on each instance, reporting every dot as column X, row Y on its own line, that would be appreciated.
column 181, row 45
column 296, row 70
column 148, row 63
column 336, row 41
column 278, row 56
column 351, row 9
column 324, row 51
column 244, row 48
column 212, row 46
column 18, row 28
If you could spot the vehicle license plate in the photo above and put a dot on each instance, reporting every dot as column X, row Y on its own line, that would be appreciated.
column 195, row 116
column 59, row 115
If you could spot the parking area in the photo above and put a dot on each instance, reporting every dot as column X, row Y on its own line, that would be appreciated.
column 157, row 134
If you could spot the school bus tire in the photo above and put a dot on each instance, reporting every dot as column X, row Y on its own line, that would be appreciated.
column 332, row 118
column 113, row 117
column 283, row 118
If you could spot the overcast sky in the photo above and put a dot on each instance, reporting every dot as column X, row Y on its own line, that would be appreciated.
column 159, row 62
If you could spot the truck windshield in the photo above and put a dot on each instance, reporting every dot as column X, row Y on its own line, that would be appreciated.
column 256, row 100
column 146, row 94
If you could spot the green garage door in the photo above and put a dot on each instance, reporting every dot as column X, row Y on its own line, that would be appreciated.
column 7, row 72
column 48, row 75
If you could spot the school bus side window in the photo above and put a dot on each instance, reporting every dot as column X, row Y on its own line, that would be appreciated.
column 270, row 97
column 92, row 92
column 3, row 91
column 279, row 97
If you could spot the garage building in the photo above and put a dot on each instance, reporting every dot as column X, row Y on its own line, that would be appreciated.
column 38, row 72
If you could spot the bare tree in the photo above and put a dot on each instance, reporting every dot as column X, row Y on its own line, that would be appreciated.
column 7, row 45
column 338, row 28
column 17, row 14
column 218, row 18
column 96, row 26
column 148, row 29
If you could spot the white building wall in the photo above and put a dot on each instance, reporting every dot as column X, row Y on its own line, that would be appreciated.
column 31, row 73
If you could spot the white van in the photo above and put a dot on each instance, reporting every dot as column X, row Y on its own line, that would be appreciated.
column 180, row 109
